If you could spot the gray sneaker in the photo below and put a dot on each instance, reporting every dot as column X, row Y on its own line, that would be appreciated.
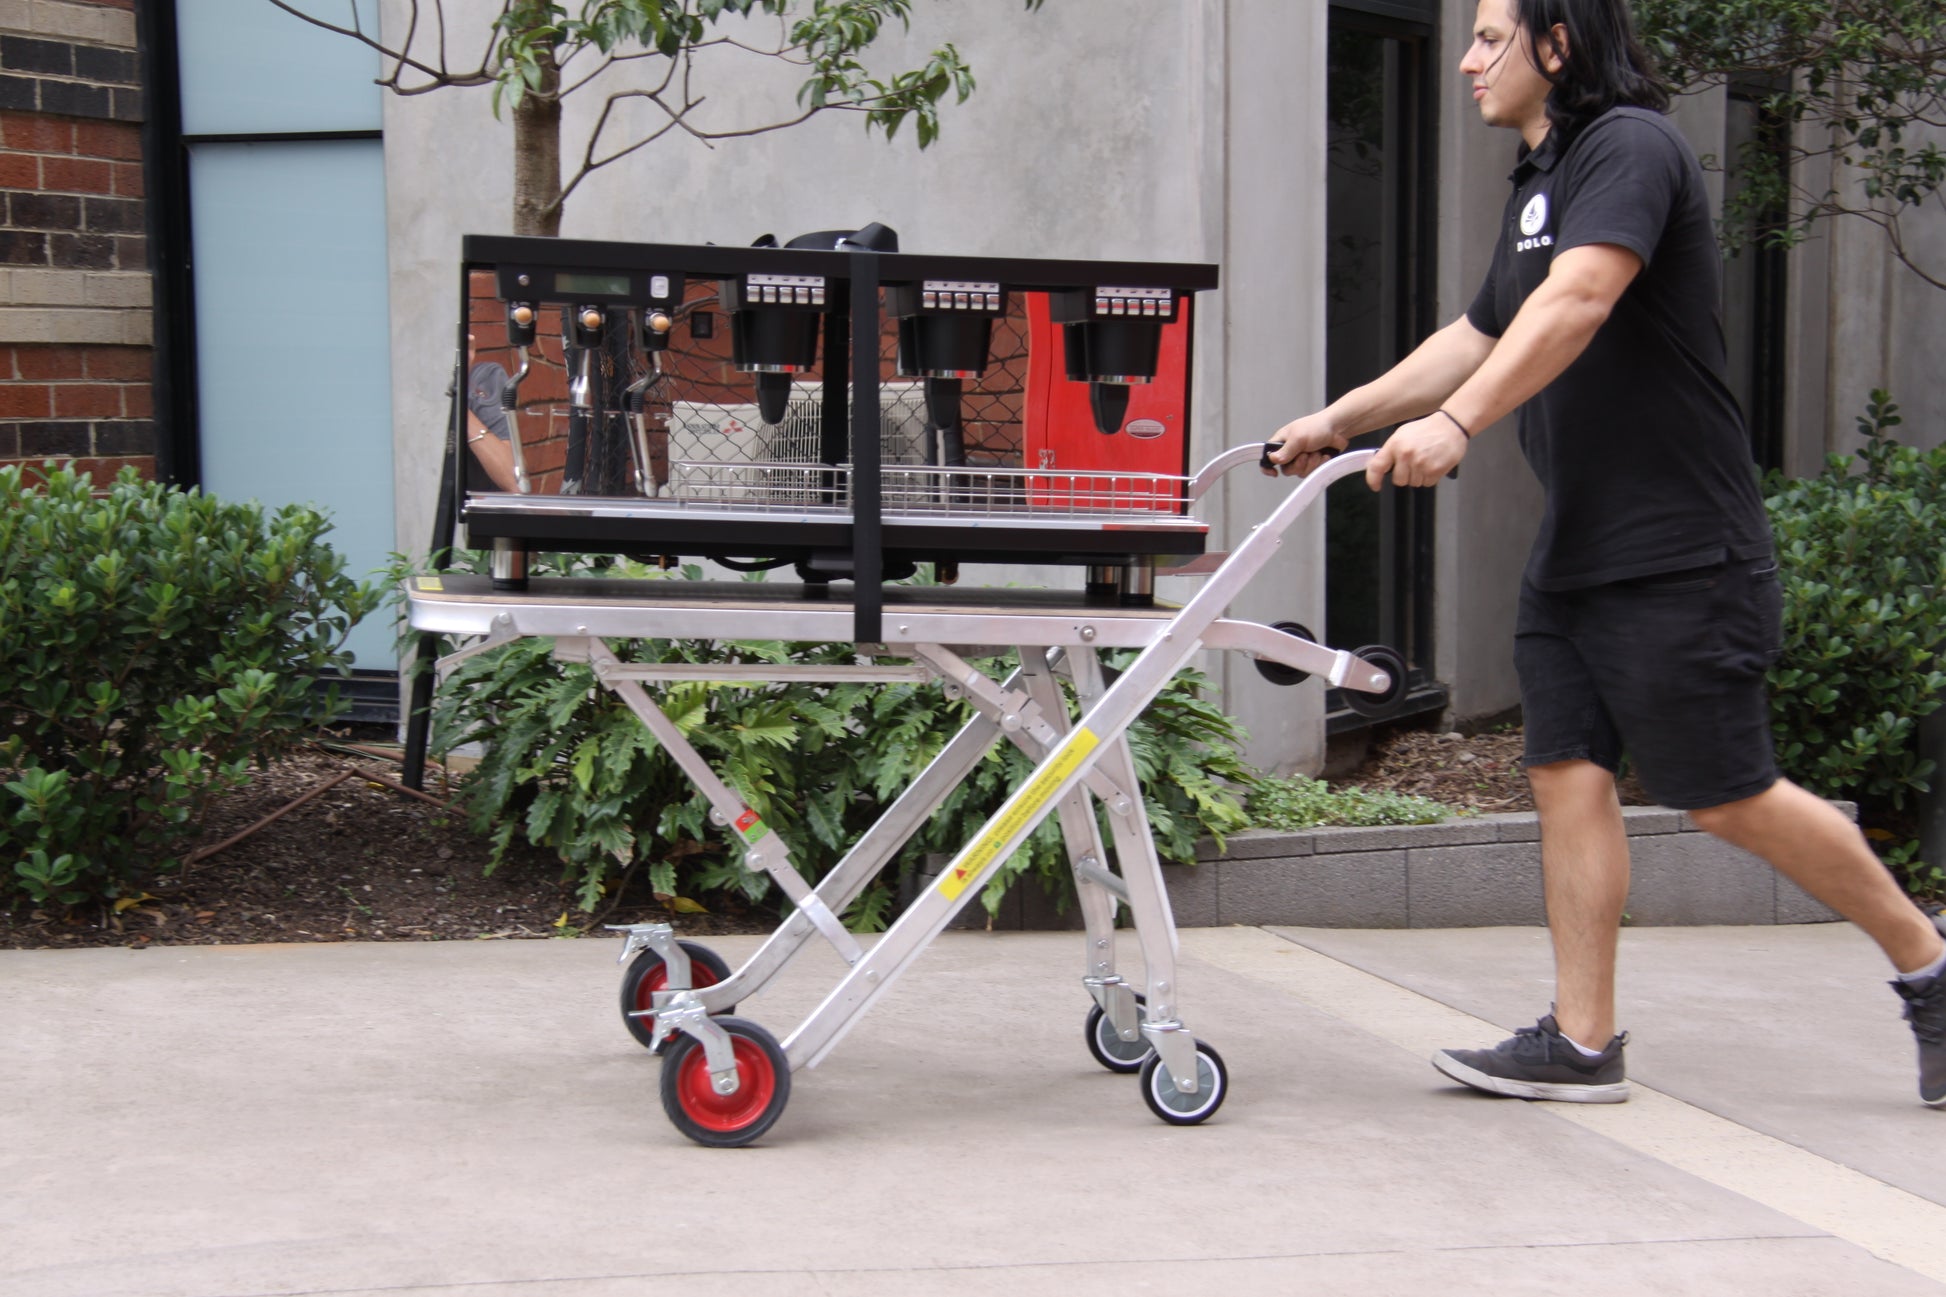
column 1925, row 1009
column 1540, row 1063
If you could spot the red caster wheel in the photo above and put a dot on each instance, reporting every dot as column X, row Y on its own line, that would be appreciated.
column 1177, row 1108
column 647, row 974
column 726, row 1120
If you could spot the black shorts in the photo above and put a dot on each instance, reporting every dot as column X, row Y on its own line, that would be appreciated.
column 1668, row 669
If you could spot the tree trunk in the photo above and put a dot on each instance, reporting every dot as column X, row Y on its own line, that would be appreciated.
column 537, row 157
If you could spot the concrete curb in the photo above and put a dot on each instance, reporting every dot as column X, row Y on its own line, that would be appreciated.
column 1482, row 871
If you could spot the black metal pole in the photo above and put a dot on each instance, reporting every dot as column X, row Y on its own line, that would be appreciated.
column 418, row 719
column 165, row 169
column 867, row 558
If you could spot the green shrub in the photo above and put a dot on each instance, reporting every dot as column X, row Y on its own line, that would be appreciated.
column 153, row 644
column 1301, row 802
column 1863, row 565
column 568, row 767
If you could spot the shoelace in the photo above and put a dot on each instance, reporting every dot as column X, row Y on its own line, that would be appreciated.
column 1926, row 1010
column 1532, row 1041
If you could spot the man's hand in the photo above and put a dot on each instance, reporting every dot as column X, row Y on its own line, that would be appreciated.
column 1418, row 453
column 1303, row 444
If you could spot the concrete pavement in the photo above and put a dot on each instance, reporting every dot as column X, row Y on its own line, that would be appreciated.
column 470, row 1119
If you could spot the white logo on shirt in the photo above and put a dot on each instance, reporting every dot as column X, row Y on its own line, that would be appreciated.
column 1531, row 222
column 1535, row 216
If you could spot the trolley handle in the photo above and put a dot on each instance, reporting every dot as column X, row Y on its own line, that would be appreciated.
column 1257, row 452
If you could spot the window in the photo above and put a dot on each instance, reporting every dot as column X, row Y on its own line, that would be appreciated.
column 285, row 350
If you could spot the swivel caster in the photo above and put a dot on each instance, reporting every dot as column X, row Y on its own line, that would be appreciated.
column 689, row 1095
column 1385, row 703
column 647, row 974
column 1109, row 1049
column 1175, row 1107
column 1276, row 672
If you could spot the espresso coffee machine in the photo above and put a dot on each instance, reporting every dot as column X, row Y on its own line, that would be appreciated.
column 836, row 406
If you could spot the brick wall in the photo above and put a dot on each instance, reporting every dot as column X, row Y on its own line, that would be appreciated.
column 75, row 320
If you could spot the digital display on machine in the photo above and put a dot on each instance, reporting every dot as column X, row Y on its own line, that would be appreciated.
column 605, row 285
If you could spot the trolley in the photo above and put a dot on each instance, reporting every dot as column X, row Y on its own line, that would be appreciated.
column 726, row 1080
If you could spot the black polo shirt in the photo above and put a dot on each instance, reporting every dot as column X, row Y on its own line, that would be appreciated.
column 1639, row 444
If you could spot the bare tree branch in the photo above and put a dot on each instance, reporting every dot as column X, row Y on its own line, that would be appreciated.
column 401, row 59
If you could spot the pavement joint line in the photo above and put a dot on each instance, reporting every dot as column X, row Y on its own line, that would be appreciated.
column 1001, row 1267
column 1890, row 1223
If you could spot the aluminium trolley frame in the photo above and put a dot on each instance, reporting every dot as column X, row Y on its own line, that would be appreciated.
column 725, row 1081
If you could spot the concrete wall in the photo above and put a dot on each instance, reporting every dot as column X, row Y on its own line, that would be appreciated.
column 1882, row 321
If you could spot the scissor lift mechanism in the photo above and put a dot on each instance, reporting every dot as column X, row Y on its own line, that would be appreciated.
column 726, row 1080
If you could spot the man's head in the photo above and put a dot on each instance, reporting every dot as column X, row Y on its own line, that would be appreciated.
column 1537, row 64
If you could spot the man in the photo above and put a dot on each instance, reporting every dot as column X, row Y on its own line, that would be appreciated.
column 1649, row 608
column 487, row 433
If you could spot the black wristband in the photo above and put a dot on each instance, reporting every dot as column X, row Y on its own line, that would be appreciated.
column 1457, row 424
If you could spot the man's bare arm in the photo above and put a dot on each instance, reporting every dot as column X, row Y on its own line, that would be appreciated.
column 495, row 455
column 1415, row 386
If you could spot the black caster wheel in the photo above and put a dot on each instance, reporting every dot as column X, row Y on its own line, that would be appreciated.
column 647, row 974
column 1276, row 672
column 1109, row 1049
column 1177, row 1108
column 1379, row 705
column 726, row 1120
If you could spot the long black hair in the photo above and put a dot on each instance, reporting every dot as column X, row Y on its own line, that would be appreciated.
column 1604, row 66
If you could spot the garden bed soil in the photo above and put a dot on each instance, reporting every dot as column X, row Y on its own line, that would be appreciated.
column 364, row 861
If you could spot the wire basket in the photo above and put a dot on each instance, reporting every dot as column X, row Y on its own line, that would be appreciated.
column 928, row 489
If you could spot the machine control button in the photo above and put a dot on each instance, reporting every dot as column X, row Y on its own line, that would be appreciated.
column 1150, row 303
column 590, row 318
column 523, row 314
column 659, row 286
column 958, row 295
column 659, row 322
column 784, row 290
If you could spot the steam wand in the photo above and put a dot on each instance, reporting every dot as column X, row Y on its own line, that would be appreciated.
column 520, row 332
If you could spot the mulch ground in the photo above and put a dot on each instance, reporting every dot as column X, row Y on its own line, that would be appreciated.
column 1477, row 772
column 361, row 861
column 365, row 861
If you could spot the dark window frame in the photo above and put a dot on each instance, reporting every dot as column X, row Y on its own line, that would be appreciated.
column 1407, row 518
column 1768, row 317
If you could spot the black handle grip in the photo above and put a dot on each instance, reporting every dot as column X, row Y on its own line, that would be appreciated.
column 1264, row 461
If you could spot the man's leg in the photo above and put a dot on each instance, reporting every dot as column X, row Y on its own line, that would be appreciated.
column 1806, row 839
column 1815, row 846
column 1572, row 748
column 1584, row 870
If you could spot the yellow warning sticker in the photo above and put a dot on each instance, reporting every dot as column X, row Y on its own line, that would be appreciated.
column 430, row 583
column 1018, row 810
